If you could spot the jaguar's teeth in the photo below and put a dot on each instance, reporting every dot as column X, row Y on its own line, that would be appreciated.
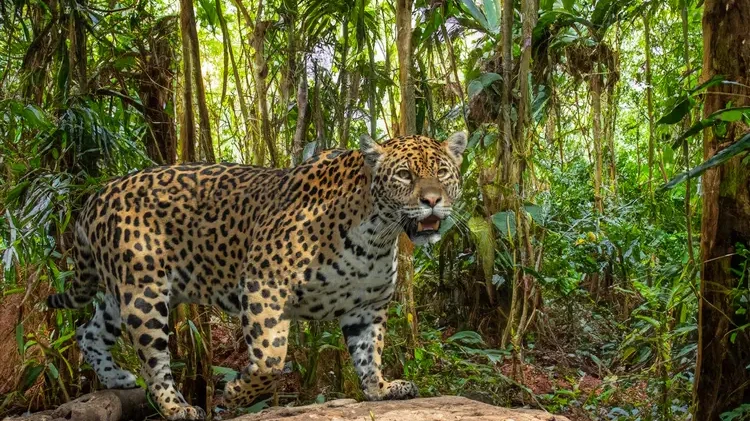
column 419, row 226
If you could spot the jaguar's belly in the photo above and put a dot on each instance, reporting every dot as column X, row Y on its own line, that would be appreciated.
column 350, row 283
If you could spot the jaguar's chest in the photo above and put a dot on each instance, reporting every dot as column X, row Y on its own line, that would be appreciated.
column 357, row 276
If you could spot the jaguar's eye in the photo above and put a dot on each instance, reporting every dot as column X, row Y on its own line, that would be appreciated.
column 404, row 175
column 442, row 172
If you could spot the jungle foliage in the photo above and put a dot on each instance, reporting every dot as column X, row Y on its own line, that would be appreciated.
column 599, row 265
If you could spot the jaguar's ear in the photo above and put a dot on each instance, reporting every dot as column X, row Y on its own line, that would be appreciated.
column 455, row 145
column 370, row 149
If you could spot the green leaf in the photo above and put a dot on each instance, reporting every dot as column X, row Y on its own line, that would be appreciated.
column 505, row 222
column 29, row 376
column 477, row 85
column 716, row 80
column 309, row 151
column 678, row 112
column 568, row 4
column 725, row 115
column 477, row 15
column 35, row 117
column 467, row 337
column 52, row 371
column 485, row 244
column 446, row 225
column 227, row 374
column 653, row 322
column 733, row 114
column 538, row 105
column 19, row 339
column 17, row 191
column 490, row 10
column 602, row 11
column 258, row 406
column 718, row 159
column 536, row 212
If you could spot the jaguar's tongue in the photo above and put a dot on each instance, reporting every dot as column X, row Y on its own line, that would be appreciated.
column 431, row 223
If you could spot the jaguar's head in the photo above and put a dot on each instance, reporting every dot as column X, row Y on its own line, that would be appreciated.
column 415, row 181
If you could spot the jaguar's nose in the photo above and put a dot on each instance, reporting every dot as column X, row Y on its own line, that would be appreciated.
column 430, row 199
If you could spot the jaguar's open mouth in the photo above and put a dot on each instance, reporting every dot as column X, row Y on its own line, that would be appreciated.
column 429, row 224
column 423, row 228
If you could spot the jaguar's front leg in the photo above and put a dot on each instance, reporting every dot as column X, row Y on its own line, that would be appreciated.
column 364, row 330
column 265, row 329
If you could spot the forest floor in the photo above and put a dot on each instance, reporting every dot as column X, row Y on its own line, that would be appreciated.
column 558, row 377
column 555, row 382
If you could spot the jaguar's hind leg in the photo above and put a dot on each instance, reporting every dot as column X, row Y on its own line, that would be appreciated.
column 145, row 310
column 266, row 330
column 96, row 339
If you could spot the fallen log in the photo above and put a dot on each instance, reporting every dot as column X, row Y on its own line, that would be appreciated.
column 104, row 405
column 131, row 405
column 444, row 408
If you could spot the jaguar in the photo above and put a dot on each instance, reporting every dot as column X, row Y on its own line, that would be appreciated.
column 314, row 242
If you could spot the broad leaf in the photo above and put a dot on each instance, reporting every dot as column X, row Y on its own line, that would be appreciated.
column 678, row 112
column 718, row 159
column 603, row 11
column 19, row 339
column 716, row 80
column 536, row 212
column 467, row 337
column 478, row 16
column 477, row 85
column 308, row 151
column 505, row 222
column 725, row 115
column 485, row 244
column 490, row 9
column 227, row 374
column 29, row 376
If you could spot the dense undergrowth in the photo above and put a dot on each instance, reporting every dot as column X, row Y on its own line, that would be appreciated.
column 567, row 279
column 624, row 352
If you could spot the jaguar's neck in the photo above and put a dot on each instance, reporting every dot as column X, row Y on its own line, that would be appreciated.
column 376, row 235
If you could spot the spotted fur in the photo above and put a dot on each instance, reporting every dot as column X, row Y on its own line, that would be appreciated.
column 314, row 242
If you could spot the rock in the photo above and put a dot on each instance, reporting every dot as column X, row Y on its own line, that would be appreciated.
column 104, row 405
column 444, row 408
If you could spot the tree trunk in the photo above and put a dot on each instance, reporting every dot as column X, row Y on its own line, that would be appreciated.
column 408, row 121
column 596, row 110
column 320, row 127
column 372, row 97
column 298, row 143
column 352, row 95
column 260, row 69
column 342, row 83
column 686, row 125
column 650, row 105
column 408, row 126
column 77, row 52
column 187, row 15
column 187, row 126
column 289, row 78
column 722, row 379
column 502, row 158
column 524, row 288
column 235, row 72
column 155, row 90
